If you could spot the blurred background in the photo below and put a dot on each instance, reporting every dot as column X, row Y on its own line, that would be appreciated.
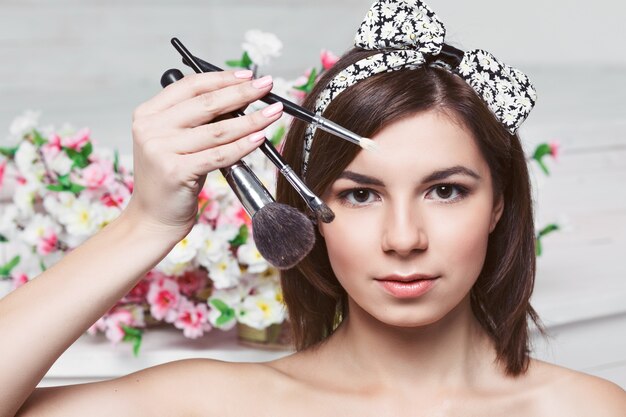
column 91, row 63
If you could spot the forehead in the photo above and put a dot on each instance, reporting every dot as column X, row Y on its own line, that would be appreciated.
column 419, row 144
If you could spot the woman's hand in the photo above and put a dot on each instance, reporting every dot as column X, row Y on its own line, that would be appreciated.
column 179, row 136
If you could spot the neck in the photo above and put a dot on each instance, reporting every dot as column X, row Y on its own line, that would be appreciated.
column 453, row 352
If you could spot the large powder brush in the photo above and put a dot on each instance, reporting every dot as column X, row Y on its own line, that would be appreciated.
column 283, row 235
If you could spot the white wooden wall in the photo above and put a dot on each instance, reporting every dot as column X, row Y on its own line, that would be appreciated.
column 90, row 63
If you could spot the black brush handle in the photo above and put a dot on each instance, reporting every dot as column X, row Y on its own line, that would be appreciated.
column 267, row 147
column 290, row 107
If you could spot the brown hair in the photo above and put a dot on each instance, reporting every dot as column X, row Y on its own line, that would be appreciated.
column 500, row 297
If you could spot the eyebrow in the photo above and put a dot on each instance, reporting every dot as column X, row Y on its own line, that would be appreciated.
column 433, row 176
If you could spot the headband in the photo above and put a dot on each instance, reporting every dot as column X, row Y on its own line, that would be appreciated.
column 415, row 36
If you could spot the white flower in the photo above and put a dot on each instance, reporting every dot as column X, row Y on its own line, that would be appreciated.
column 27, row 159
column 38, row 227
column 187, row 248
column 24, row 197
column 261, row 46
column 249, row 255
column 225, row 272
column 82, row 217
column 9, row 216
column 260, row 311
column 24, row 123
column 61, row 164
column 214, row 243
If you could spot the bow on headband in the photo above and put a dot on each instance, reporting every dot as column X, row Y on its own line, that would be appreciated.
column 416, row 36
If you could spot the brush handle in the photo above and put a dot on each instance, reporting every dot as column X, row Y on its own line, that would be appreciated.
column 290, row 107
column 247, row 187
column 313, row 201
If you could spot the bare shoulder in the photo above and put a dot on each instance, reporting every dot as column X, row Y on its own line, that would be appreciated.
column 564, row 391
column 191, row 387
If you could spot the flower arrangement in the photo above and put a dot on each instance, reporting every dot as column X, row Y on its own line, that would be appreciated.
column 61, row 188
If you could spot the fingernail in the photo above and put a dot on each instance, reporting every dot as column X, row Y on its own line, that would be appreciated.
column 243, row 74
column 256, row 137
column 262, row 82
column 270, row 111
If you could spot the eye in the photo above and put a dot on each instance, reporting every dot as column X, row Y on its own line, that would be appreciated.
column 356, row 197
column 445, row 190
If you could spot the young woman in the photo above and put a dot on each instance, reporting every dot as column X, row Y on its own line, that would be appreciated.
column 414, row 301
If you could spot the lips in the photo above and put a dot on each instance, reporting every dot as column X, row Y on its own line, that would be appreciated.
column 407, row 278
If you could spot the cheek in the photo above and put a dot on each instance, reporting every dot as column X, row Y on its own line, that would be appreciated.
column 349, row 240
column 461, row 240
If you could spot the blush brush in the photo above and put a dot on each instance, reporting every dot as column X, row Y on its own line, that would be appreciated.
column 283, row 235
column 319, row 208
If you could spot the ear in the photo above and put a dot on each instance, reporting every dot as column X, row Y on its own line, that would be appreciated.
column 498, row 209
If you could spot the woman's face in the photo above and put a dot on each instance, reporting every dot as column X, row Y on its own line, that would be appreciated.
column 392, row 220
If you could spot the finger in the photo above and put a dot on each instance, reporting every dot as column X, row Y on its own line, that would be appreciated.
column 191, row 86
column 228, row 130
column 206, row 107
column 222, row 156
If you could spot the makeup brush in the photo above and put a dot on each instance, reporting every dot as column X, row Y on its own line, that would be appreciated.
column 282, row 234
column 321, row 210
column 289, row 107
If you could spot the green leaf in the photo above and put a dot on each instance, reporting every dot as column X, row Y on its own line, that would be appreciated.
column 310, row 82
column 8, row 152
column 134, row 336
column 278, row 135
column 3, row 238
column 228, row 313
column 116, row 162
column 86, row 150
column 38, row 139
column 42, row 265
column 64, row 180
column 55, row 187
column 552, row 227
column 541, row 151
column 245, row 60
column 242, row 237
column 80, row 161
column 76, row 188
column 5, row 270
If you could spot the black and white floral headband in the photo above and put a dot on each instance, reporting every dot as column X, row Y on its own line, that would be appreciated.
column 416, row 36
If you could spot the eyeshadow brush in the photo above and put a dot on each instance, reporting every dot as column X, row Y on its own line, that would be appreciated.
column 319, row 208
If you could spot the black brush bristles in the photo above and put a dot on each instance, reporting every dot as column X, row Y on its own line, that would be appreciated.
column 324, row 213
column 282, row 234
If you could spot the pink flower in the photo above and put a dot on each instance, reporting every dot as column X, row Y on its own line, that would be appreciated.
column 98, row 326
column 98, row 173
column 52, row 148
column 115, row 196
column 138, row 293
column 328, row 59
column 47, row 243
column 3, row 166
column 555, row 149
column 192, row 319
column 115, row 321
column 19, row 279
column 77, row 141
column 192, row 280
column 234, row 214
column 163, row 297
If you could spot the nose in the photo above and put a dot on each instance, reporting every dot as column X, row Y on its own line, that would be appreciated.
column 404, row 231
